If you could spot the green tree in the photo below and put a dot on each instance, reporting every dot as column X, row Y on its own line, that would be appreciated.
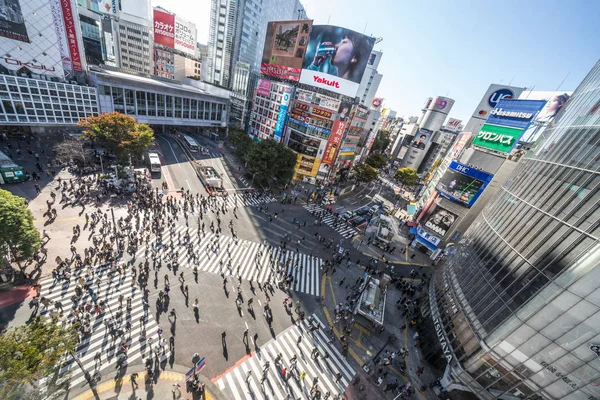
column 241, row 143
column 30, row 352
column 270, row 161
column 19, row 238
column 407, row 176
column 119, row 133
column 381, row 142
column 365, row 173
column 376, row 160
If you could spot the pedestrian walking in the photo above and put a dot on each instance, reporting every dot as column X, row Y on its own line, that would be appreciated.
column 133, row 377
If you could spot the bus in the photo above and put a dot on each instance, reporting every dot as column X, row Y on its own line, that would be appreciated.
column 153, row 162
column 191, row 143
column 9, row 171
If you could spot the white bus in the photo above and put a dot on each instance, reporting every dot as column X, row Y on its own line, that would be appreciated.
column 154, row 162
column 191, row 143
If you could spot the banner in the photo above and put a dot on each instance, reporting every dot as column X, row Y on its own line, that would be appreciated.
column 264, row 87
column 283, row 111
column 61, row 36
column 185, row 36
column 12, row 23
column 71, row 31
column 337, row 133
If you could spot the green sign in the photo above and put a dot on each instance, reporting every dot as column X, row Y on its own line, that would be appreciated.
column 498, row 138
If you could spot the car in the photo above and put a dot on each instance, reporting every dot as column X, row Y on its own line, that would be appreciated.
column 348, row 215
column 362, row 211
column 374, row 209
column 357, row 221
column 387, row 209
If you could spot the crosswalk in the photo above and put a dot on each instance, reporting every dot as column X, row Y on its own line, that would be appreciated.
column 239, row 199
column 334, row 373
column 142, row 338
column 237, row 257
column 341, row 227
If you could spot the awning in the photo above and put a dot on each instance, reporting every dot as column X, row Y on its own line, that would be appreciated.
column 430, row 246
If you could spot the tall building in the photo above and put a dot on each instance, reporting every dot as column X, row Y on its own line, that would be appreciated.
column 370, row 80
column 136, row 43
column 237, row 33
column 515, row 312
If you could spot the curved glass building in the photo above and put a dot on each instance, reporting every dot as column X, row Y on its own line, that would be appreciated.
column 515, row 313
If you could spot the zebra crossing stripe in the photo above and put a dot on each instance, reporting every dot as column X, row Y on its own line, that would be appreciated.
column 343, row 228
column 237, row 385
column 98, row 340
column 243, row 256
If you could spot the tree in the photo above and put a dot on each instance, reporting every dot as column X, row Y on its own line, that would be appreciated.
column 269, row 160
column 19, row 238
column 376, row 160
column 119, row 133
column 241, row 143
column 381, row 142
column 407, row 176
column 30, row 352
column 74, row 149
column 365, row 173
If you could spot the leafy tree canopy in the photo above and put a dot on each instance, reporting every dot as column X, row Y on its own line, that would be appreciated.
column 241, row 142
column 18, row 236
column 381, row 142
column 407, row 176
column 365, row 173
column 376, row 160
column 268, row 160
column 119, row 133
column 31, row 351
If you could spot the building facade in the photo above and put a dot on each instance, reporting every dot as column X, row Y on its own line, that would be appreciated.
column 515, row 312
column 370, row 80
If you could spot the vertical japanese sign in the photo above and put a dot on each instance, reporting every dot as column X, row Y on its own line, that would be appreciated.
column 61, row 36
column 164, row 28
column 185, row 36
column 337, row 133
column 71, row 32
column 283, row 111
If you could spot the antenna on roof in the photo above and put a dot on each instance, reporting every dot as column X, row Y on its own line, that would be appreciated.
column 563, row 81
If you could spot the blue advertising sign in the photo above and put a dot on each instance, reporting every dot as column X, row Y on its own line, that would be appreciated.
column 495, row 97
column 515, row 113
column 463, row 184
column 283, row 111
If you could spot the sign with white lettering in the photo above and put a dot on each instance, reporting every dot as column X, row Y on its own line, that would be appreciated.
column 498, row 138
column 439, row 330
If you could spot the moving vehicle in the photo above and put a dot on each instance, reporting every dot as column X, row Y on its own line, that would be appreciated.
column 348, row 215
column 9, row 171
column 357, row 221
column 153, row 162
column 374, row 209
column 362, row 211
column 191, row 143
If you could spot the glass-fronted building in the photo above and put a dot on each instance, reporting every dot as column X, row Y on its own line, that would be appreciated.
column 515, row 313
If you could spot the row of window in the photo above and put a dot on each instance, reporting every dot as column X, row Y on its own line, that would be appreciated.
column 141, row 103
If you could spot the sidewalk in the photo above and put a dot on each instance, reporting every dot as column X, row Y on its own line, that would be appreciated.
column 365, row 342
column 164, row 387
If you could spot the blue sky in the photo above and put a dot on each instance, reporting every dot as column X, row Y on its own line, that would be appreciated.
column 457, row 48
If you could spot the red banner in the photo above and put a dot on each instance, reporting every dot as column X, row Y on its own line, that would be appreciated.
column 334, row 141
column 280, row 71
column 164, row 28
column 71, row 32
column 321, row 112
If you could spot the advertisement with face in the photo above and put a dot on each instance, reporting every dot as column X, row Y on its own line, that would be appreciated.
column 337, row 133
column 463, row 184
column 12, row 23
column 553, row 106
column 284, row 48
column 421, row 139
column 336, row 59
column 440, row 221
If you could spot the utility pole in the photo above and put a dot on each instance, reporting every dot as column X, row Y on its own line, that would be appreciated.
column 86, row 374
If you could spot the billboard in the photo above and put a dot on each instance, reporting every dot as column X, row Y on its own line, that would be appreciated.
column 318, row 99
column 506, row 124
column 440, row 221
column 453, row 124
column 463, row 184
column 422, row 139
column 264, row 87
column 283, row 111
column 12, row 23
column 337, row 133
column 553, row 106
column 335, row 59
column 284, row 49
column 492, row 96
column 174, row 32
